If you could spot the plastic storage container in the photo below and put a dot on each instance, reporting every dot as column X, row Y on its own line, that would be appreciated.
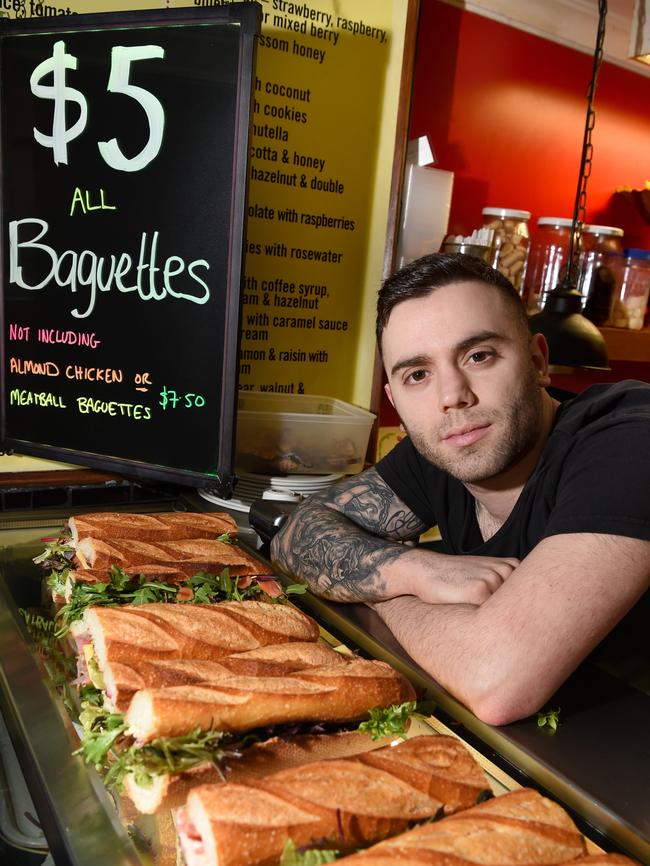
column 547, row 257
column 601, row 271
column 630, row 305
column 510, row 244
column 301, row 434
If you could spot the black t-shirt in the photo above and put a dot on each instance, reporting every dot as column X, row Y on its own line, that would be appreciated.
column 593, row 476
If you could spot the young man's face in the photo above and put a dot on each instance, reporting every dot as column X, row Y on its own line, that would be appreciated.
column 465, row 379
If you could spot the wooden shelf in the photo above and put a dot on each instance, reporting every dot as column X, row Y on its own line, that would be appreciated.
column 626, row 345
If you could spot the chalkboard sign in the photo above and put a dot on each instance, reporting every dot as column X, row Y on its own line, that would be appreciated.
column 123, row 151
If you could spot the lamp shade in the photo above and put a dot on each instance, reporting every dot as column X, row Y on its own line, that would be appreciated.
column 573, row 341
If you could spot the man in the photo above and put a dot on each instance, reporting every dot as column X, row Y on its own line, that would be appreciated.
column 543, row 509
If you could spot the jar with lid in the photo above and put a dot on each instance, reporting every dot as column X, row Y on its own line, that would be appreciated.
column 630, row 305
column 547, row 257
column 510, row 241
column 600, row 271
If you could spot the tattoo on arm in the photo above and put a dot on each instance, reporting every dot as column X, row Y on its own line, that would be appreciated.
column 340, row 541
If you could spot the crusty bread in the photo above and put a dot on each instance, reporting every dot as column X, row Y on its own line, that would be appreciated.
column 202, row 554
column 238, row 703
column 197, row 631
column 164, row 526
column 440, row 766
column 603, row 859
column 514, row 829
column 261, row 759
column 123, row 678
column 340, row 804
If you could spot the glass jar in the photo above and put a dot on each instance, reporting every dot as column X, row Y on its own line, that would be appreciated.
column 600, row 271
column 548, row 251
column 630, row 305
column 510, row 241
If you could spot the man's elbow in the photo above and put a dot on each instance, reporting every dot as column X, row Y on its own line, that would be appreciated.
column 495, row 711
column 501, row 700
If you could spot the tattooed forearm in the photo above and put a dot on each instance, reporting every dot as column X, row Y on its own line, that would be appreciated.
column 335, row 559
column 372, row 505
column 325, row 544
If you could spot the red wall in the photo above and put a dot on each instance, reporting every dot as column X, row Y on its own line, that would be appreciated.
column 505, row 111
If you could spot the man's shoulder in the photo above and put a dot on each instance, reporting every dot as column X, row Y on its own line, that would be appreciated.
column 617, row 403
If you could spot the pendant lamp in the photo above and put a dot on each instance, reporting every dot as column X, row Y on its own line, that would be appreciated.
column 573, row 340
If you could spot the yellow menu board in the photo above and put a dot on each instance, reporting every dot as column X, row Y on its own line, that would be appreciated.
column 323, row 131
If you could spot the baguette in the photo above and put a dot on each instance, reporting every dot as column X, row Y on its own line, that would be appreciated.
column 339, row 804
column 603, row 859
column 200, row 554
column 198, row 631
column 165, row 526
column 123, row 678
column 238, row 703
column 514, row 829
column 168, row 791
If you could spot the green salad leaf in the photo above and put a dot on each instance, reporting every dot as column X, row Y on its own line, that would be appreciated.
column 549, row 720
column 387, row 721
column 58, row 553
column 92, row 696
column 208, row 588
column 294, row 856
column 120, row 588
column 166, row 755
column 56, row 581
column 100, row 746
column 100, row 731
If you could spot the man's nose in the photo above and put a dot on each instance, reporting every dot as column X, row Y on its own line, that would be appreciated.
column 454, row 389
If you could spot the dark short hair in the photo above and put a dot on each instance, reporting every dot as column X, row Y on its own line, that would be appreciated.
column 423, row 276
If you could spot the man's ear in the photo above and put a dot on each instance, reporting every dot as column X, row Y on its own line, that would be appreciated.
column 389, row 394
column 539, row 354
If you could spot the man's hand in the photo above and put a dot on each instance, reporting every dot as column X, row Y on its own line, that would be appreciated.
column 441, row 579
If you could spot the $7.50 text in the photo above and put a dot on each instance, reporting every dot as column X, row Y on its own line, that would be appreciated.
column 169, row 397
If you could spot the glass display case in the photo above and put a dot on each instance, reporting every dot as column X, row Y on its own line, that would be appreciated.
column 596, row 763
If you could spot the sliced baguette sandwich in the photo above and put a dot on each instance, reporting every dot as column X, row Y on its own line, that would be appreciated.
column 179, row 631
column 169, row 790
column 200, row 554
column 337, row 693
column 340, row 804
column 121, row 679
column 511, row 830
column 164, row 526
column 137, row 544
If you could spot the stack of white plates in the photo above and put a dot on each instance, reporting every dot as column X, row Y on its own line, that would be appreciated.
column 251, row 487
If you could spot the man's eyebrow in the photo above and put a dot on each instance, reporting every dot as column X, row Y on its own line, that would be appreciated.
column 481, row 337
column 463, row 346
column 415, row 361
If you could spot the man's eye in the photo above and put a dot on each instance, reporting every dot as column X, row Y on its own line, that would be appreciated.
column 480, row 356
column 417, row 376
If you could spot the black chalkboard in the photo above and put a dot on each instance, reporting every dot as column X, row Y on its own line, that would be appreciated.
column 123, row 152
